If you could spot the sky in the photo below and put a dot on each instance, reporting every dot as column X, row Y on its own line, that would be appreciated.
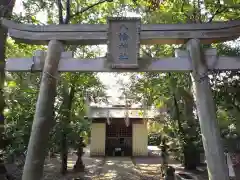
column 18, row 8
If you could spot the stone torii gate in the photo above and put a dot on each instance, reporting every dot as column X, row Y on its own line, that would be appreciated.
column 123, row 37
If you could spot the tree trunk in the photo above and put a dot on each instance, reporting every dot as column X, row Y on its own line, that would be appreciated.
column 64, row 152
column 6, row 7
column 190, row 153
column 43, row 119
column 67, row 106
column 190, row 150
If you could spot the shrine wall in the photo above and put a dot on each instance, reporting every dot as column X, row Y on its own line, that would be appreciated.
column 98, row 137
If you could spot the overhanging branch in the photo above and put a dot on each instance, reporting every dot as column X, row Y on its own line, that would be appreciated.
column 218, row 11
column 68, row 12
column 89, row 7
column 223, row 8
column 60, row 11
column 182, row 10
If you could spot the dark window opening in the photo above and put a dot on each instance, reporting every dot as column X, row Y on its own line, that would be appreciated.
column 121, row 140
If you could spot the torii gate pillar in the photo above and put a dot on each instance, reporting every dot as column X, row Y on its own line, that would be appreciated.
column 43, row 118
column 217, row 167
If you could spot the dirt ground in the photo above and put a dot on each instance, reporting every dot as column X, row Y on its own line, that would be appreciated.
column 93, row 166
column 114, row 168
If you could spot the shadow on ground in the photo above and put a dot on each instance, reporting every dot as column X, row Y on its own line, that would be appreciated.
column 122, row 168
column 113, row 168
column 93, row 166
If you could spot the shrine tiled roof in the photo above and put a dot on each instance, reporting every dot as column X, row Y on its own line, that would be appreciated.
column 120, row 112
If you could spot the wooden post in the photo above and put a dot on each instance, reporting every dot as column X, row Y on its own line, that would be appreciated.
column 217, row 167
column 43, row 119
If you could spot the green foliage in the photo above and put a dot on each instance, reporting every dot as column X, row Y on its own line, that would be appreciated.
column 161, row 90
column 226, row 94
column 154, row 139
column 21, row 90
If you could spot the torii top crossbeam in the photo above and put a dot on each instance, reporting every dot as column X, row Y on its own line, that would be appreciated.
column 123, row 37
column 93, row 34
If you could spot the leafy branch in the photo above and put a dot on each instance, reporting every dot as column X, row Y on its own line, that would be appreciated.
column 182, row 10
column 222, row 9
column 69, row 16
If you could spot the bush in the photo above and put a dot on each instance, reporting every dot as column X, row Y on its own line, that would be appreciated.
column 154, row 139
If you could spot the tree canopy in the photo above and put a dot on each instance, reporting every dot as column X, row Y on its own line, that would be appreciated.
column 171, row 91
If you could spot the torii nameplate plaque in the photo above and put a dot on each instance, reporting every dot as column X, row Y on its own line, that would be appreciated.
column 123, row 42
